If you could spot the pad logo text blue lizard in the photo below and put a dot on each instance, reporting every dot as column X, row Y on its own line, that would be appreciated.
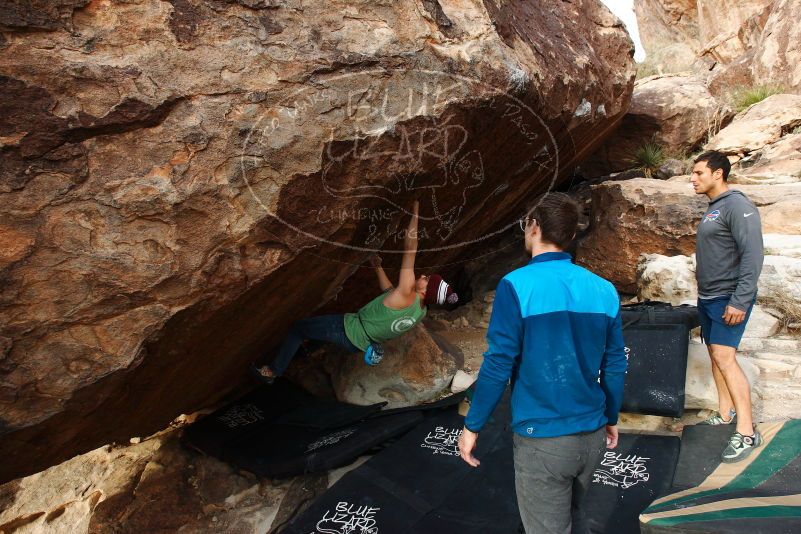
column 621, row 471
column 348, row 518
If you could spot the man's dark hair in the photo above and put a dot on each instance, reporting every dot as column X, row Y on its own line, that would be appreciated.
column 716, row 160
column 557, row 214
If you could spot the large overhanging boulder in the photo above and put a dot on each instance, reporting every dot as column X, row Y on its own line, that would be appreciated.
column 181, row 180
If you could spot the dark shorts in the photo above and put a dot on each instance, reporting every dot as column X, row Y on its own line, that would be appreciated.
column 713, row 330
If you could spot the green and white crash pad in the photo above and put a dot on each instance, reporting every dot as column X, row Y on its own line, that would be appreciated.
column 760, row 494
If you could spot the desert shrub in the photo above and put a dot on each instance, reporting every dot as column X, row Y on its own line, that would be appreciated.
column 788, row 308
column 744, row 97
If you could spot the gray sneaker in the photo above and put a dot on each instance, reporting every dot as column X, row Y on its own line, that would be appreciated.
column 740, row 447
column 717, row 419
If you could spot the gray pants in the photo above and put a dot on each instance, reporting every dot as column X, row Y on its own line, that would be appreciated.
column 551, row 477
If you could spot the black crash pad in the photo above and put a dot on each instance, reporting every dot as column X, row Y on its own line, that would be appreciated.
column 446, row 402
column 701, row 446
column 758, row 495
column 485, row 500
column 420, row 484
column 627, row 480
column 285, row 451
column 262, row 408
column 657, row 357
column 281, row 430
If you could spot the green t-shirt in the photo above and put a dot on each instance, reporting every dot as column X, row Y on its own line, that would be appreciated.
column 376, row 322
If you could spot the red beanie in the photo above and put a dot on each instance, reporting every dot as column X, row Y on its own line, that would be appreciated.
column 439, row 292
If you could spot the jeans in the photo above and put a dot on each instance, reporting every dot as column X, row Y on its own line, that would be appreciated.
column 327, row 328
column 551, row 477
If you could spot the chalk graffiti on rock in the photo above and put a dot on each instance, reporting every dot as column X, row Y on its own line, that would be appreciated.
column 384, row 137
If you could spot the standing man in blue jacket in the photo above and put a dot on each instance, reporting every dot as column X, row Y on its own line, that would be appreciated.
column 556, row 333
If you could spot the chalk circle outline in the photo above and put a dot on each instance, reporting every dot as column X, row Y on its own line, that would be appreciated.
column 385, row 72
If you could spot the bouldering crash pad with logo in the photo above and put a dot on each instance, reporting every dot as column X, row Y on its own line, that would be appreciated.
column 628, row 478
column 420, row 484
column 281, row 431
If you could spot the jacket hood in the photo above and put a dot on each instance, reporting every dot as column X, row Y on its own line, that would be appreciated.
column 728, row 193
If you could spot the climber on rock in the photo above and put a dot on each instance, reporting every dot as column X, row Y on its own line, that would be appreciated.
column 395, row 311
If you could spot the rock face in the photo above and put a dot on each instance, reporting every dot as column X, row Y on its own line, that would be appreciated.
column 742, row 43
column 415, row 369
column 177, row 177
column 774, row 55
column 666, row 278
column 646, row 216
column 699, row 388
column 672, row 167
column 155, row 485
column 639, row 216
column 728, row 29
column 676, row 112
column 669, row 31
column 760, row 125
column 781, row 217
column 777, row 54
column 778, row 163
column 680, row 32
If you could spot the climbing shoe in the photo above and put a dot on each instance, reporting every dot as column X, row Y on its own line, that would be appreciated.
column 717, row 419
column 374, row 354
column 740, row 447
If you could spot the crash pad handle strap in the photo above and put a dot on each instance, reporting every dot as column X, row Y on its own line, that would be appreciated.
column 631, row 322
column 650, row 310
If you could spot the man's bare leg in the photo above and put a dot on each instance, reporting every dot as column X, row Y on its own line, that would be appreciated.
column 725, row 403
column 736, row 384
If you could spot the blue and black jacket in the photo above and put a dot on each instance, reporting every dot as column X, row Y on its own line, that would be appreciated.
column 556, row 332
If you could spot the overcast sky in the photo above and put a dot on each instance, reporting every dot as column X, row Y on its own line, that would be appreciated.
column 624, row 9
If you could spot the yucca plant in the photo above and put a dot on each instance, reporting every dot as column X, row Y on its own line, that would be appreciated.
column 648, row 157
